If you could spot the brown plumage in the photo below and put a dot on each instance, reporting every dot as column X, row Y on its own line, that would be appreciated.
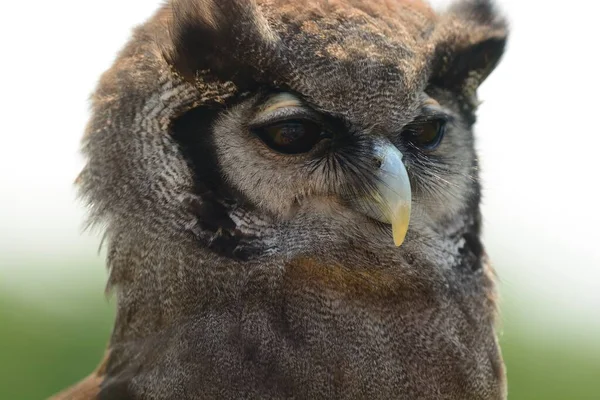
column 87, row 388
column 247, row 269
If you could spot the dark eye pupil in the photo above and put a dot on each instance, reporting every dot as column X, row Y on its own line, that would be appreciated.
column 427, row 135
column 286, row 134
column 429, row 132
column 290, row 137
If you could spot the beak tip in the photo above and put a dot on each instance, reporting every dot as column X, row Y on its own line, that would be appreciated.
column 399, row 234
column 400, row 224
column 398, row 241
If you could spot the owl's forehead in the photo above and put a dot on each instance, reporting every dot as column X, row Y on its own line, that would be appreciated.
column 366, row 60
column 391, row 11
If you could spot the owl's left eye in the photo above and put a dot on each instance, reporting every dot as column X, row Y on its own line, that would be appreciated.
column 426, row 135
column 291, row 136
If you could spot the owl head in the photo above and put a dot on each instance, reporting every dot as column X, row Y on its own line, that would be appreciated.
column 251, row 133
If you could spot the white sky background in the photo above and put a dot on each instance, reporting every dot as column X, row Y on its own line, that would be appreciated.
column 538, row 137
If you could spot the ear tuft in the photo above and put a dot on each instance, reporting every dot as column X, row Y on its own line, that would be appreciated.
column 195, row 28
column 480, row 12
column 472, row 49
column 210, row 34
column 470, row 67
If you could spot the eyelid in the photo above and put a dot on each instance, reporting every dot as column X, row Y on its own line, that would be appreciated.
column 430, row 114
column 285, row 114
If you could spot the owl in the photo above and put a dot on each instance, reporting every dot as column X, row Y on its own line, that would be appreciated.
column 290, row 197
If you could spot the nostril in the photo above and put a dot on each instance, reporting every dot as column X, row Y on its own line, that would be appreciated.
column 377, row 162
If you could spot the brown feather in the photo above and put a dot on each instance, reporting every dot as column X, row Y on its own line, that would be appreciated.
column 88, row 388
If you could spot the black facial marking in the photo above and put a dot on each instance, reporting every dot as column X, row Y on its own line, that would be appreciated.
column 472, row 251
column 212, row 199
column 192, row 132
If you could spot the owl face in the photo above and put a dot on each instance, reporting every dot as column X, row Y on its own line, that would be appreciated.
column 311, row 160
column 358, row 114
column 289, row 156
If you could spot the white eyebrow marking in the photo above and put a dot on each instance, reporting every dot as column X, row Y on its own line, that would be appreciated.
column 430, row 102
column 280, row 100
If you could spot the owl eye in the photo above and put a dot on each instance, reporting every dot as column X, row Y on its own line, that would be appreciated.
column 291, row 136
column 426, row 135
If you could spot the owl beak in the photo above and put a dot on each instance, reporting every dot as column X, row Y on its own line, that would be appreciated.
column 389, row 199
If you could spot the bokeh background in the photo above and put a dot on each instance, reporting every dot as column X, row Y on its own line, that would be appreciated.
column 538, row 134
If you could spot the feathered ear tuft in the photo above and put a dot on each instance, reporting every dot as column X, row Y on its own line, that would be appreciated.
column 468, row 56
column 481, row 12
column 212, row 34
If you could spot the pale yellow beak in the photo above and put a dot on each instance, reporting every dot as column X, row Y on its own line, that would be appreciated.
column 390, row 199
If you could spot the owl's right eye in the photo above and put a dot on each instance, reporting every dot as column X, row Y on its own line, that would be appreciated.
column 291, row 136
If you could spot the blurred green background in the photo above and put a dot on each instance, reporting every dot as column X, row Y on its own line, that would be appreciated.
column 50, row 343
